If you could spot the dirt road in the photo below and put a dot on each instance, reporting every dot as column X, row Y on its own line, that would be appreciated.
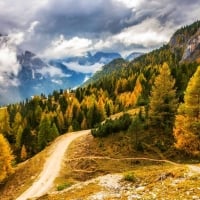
column 52, row 166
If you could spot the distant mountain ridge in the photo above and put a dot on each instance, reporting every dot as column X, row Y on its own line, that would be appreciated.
column 35, row 76
column 133, row 55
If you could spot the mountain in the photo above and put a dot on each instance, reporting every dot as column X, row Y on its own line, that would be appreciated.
column 185, row 43
column 133, row 55
column 24, row 74
column 44, row 77
column 89, row 59
column 113, row 67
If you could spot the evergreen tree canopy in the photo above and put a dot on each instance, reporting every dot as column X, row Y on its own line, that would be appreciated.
column 163, row 102
column 187, row 124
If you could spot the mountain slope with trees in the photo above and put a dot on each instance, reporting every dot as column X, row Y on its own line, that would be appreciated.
column 31, row 125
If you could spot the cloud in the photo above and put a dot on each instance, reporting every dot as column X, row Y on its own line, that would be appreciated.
column 58, row 82
column 61, row 47
column 9, row 66
column 131, row 3
column 88, row 17
column 19, row 14
column 75, row 66
column 149, row 33
column 107, row 24
column 52, row 72
column 32, row 26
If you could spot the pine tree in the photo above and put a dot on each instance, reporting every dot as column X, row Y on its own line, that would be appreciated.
column 19, row 137
column 17, row 123
column 54, row 133
column 187, row 124
column 163, row 102
column 43, row 134
column 60, row 121
column 38, row 114
column 5, row 159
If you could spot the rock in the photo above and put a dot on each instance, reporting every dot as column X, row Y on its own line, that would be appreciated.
column 134, row 196
column 139, row 189
column 195, row 197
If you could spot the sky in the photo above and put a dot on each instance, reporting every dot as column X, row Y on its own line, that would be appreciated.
column 63, row 28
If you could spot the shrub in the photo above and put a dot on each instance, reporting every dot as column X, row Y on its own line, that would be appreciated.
column 63, row 186
column 129, row 176
column 112, row 126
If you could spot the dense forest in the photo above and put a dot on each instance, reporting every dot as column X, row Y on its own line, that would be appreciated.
column 156, row 81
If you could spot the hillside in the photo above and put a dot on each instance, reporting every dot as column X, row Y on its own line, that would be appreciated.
column 181, row 52
column 89, row 173
column 92, row 168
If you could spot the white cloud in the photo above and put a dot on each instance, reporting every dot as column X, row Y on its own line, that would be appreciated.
column 58, row 82
column 9, row 66
column 52, row 72
column 32, row 26
column 86, row 79
column 150, row 33
column 15, row 39
column 131, row 3
column 62, row 47
column 8, row 62
column 101, row 44
column 83, row 68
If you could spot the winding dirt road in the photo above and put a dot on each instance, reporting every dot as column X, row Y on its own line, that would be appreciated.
column 52, row 166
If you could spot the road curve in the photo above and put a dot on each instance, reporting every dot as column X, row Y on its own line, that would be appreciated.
column 52, row 166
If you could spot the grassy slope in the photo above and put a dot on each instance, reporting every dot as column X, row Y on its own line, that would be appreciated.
column 87, row 160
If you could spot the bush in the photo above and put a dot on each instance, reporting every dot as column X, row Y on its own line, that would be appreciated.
column 112, row 126
column 129, row 176
column 63, row 186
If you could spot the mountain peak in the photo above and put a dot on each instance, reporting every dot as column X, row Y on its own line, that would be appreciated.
column 185, row 43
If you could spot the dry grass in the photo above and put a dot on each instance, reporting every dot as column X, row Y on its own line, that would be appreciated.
column 161, row 182
column 25, row 174
column 87, row 158
column 80, row 193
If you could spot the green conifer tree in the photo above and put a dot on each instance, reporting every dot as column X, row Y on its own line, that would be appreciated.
column 163, row 102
